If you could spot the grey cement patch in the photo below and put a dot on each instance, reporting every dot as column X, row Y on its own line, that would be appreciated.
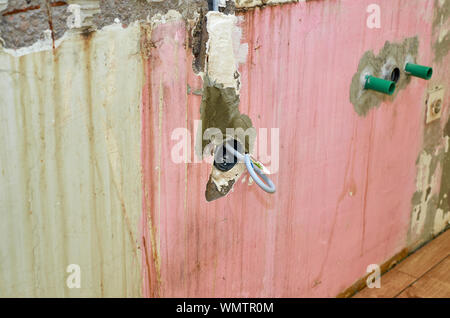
column 363, row 100
column 220, row 110
column 444, row 194
column 425, row 202
column 441, row 16
column 434, row 144
column 212, row 192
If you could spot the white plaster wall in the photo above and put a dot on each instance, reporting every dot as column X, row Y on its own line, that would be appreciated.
column 70, row 179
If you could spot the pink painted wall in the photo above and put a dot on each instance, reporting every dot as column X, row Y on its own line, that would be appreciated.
column 345, row 182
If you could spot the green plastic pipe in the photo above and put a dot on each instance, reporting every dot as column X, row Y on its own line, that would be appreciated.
column 379, row 85
column 421, row 71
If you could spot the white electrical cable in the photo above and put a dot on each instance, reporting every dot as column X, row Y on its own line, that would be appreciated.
column 254, row 171
column 215, row 5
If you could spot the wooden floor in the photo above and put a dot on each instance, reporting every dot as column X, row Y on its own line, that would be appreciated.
column 424, row 274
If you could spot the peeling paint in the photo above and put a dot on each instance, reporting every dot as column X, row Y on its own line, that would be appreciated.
column 447, row 143
column 444, row 194
column 45, row 44
column 425, row 182
column 441, row 221
column 170, row 16
column 430, row 201
column 3, row 5
column 197, row 42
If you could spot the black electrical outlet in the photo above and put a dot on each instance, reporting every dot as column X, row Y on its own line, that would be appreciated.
column 224, row 160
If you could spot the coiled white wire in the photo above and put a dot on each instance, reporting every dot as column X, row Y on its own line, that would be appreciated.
column 268, row 186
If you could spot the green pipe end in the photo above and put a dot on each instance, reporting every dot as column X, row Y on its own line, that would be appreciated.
column 379, row 85
column 421, row 71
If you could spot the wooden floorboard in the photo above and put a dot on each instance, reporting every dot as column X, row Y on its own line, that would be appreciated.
column 434, row 284
column 392, row 283
column 425, row 273
column 426, row 257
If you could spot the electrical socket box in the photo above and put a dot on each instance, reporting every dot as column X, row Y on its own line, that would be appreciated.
column 435, row 103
